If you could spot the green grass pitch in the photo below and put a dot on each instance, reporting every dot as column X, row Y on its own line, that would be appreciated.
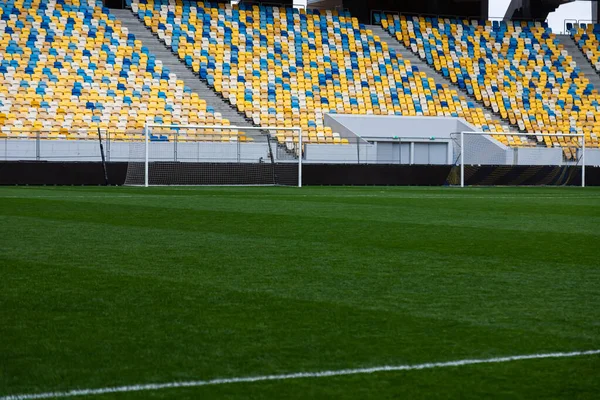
column 104, row 287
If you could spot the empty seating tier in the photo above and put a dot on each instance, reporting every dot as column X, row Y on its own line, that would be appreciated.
column 290, row 67
column 68, row 68
column 587, row 38
column 517, row 69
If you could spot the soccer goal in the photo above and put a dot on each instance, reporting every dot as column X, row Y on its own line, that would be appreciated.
column 216, row 155
column 511, row 159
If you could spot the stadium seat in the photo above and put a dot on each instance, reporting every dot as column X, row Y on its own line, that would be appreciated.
column 68, row 68
column 290, row 67
column 519, row 70
column 588, row 40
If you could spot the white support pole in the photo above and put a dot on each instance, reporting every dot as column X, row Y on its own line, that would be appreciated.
column 583, row 162
column 462, row 159
column 146, row 134
column 300, row 154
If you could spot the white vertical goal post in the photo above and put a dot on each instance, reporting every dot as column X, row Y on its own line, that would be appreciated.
column 173, row 154
column 543, row 152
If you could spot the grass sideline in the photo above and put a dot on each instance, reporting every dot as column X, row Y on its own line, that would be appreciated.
column 117, row 286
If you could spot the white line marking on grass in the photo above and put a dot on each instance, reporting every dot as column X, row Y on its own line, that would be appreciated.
column 297, row 375
column 66, row 197
column 444, row 196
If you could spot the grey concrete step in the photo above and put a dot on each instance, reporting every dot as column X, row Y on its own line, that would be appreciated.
column 176, row 66
column 415, row 60
column 582, row 61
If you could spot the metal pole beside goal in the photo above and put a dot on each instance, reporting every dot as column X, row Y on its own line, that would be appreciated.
column 462, row 159
column 582, row 160
column 146, row 142
column 300, row 154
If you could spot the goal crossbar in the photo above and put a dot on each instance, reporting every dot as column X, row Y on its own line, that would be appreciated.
column 519, row 134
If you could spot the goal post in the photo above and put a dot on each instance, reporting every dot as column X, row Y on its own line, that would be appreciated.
column 493, row 158
column 170, row 154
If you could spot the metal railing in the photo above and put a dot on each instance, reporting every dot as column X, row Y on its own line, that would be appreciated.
column 49, row 145
column 576, row 23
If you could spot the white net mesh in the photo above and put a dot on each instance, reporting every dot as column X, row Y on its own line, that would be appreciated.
column 519, row 159
column 215, row 156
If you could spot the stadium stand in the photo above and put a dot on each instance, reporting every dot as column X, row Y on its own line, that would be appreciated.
column 587, row 38
column 68, row 68
column 284, row 66
column 517, row 69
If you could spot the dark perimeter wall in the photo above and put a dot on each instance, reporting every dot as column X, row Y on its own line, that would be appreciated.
column 90, row 173
column 118, row 4
column 361, row 9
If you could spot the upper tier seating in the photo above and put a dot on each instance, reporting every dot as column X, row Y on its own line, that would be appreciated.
column 588, row 40
column 284, row 66
column 68, row 68
column 517, row 69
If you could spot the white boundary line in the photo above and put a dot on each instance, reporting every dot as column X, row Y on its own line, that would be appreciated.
column 297, row 375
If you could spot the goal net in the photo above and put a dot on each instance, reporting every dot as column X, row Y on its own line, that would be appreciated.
column 216, row 155
column 485, row 158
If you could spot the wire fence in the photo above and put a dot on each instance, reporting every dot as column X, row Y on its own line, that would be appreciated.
column 225, row 146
